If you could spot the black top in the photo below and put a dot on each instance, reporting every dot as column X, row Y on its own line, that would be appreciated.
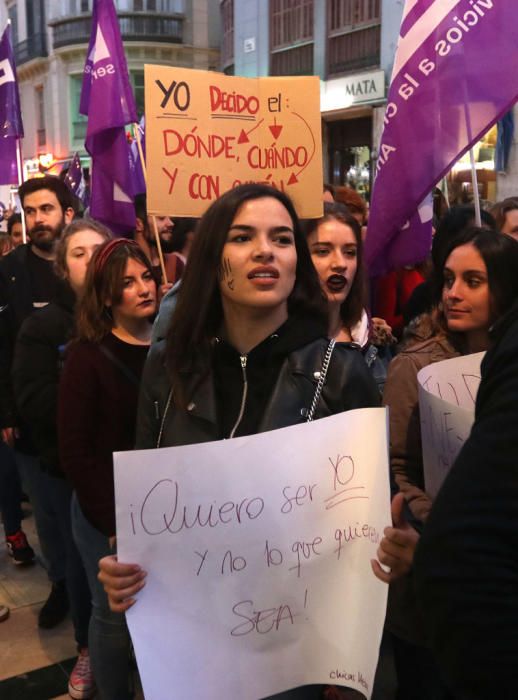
column 43, row 279
column 263, row 364
column 37, row 364
column 96, row 417
column 466, row 565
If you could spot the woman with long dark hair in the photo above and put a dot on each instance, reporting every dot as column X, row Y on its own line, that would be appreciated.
column 479, row 285
column 246, row 346
column 336, row 248
column 97, row 412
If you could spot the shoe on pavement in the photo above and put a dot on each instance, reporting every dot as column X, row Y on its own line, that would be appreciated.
column 55, row 608
column 19, row 549
column 81, row 684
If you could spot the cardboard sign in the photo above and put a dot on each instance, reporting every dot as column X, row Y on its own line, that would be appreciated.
column 258, row 556
column 447, row 394
column 207, row 132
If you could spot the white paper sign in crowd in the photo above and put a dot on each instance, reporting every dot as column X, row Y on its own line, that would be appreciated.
column 258, row 556
column 447, row 394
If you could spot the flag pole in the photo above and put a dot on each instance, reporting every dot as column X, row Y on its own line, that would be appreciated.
column 474, row 181
column 155, row 226
column 20, row 181
column 136, row 133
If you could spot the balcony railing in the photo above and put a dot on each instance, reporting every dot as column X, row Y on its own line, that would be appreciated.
column 35, row 47
column 354, row 50
column 134, row 27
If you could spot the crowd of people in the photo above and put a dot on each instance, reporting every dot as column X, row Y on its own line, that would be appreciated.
column 111, row 344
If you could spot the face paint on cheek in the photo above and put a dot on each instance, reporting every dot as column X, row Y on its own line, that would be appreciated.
column 225, row 274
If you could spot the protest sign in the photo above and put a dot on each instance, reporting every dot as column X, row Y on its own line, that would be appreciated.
column 258, row 556
column 447, row 394
column 207, row 132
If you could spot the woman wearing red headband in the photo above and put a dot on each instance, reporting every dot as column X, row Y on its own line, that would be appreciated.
column 97, row 412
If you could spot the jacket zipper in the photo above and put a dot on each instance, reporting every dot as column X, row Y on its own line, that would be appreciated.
column 243, row 359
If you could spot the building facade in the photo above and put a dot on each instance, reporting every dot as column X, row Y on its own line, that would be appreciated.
column 50, row 40
column 350, row 45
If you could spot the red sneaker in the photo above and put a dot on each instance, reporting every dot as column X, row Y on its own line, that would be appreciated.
column 81, row 684
column 19, row 549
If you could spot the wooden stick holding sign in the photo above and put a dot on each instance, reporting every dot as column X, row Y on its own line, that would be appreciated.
column 155, row 227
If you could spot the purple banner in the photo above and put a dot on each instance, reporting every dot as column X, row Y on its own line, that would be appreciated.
column 107, row 99
column 106, row 95
column 75, row 180
column 454, row 77
column 9, row 170
column 111, row 186
column 11, row 126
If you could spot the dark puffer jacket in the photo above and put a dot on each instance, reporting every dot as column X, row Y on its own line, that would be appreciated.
column 36, row 369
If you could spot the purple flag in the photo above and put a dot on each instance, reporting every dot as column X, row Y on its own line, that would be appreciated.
column 11, row 126
column 75, row 180
column 454, row 76
column 107, row 99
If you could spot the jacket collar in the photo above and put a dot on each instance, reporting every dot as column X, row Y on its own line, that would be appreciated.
column 202, row 401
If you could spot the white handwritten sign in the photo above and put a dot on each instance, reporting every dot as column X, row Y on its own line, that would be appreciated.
column 258, row 557
column 447, row 394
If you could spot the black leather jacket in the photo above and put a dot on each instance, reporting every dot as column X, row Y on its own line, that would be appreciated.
column 348, row 385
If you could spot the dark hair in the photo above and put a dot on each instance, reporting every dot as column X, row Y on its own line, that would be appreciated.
column 141, row 207
column 48, row 182
column 60, row 263
column 500, row 255
column 199, row 313
column 105, row 280
column 452, row 225
column 352, row 200
column 352, row 308
column 182, row 228
column 329, row 188
column 499, row 211
column 6, row 244
column 12, row 220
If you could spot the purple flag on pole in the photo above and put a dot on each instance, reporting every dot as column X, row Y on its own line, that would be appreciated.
column 11, row 126
column 454, row 76
column 75, row 180
column 107, row 99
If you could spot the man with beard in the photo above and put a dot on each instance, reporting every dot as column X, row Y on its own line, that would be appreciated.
column 28, row 282
column 145, row 237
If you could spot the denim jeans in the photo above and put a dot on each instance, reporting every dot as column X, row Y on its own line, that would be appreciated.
column 10, row 491
column 108, row 636
column 50, row 498
column 47, row 526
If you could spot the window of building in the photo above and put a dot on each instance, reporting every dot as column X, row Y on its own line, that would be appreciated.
column 39, row 100
column 354, row 34
column 291, row 37
column 78, row 122
column 12, row 13
column 79, row 7
column 35, row 13
column 137, row 83
column 156, row 6
column 227, row 24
